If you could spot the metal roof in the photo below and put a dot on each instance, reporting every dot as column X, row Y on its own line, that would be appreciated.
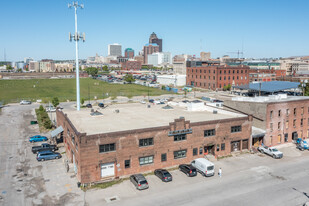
column 273, row 86
column 56, row 131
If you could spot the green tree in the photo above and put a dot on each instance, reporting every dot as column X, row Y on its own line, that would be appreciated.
column 41, row 108
column 129, row 78
column 82, row 101
column 9, row 67
column 92, row 71
column 55, row 101
column 105, row 68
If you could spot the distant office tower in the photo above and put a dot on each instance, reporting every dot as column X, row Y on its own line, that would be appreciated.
column 205, row 56
column 114, row 50
column 27, row 60
column 129, row 53
column 149, row 49
column 153, row 39
column 160, row 58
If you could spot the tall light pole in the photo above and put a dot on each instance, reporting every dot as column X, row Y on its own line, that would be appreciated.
column 76, row 38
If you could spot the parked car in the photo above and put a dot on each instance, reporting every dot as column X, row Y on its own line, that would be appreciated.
column 24, row 102
column 189, row 170
column 203, row 166
column 88, row 105
column 271, row 151
column 302, row 144
column 48, row 155
column 37, row 138
column 139, row 181
column 50, row 109
column 151, row 100
column 44, row 147
column 101, row 105
column 164, row 175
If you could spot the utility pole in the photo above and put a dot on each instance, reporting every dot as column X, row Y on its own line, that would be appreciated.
column 76, row 38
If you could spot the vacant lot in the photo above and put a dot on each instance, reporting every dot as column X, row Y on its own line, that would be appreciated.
column 65, row 89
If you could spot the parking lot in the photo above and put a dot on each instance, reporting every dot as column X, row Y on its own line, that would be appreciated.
column 247, row 179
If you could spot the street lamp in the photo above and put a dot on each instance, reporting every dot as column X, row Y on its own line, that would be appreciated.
column 76, row 36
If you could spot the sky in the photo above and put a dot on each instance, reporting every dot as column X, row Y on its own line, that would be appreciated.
column 260, row 28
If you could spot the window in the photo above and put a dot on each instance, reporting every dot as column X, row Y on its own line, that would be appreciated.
column 271, row 114
column 294, row 123
column 194, row 151
column 208, row 133
column 308, row 122
column 180, row 137
column 222, row 146
column 146, row 142
column 287, row 124
column 218, row 147
column 163, row 157
column 286, row 137
column 127, row 164
column 180, row 154
column 145, row 160
column 271, row 127
column 301, row 122
column 107, row 147
column 235, row 129
column 294, row 111
column 279, row 113
column 201, row 149
column 287, row 112
column 279, row 125
column 302, row 110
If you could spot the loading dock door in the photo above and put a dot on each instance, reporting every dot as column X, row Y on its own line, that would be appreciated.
column 107, row 170
column 245, row 144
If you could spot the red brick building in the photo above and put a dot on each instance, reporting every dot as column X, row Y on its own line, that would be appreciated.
column 119, row 144
column 284, row 118
column 216, row 77
column 131, row 65
column 149, row 49
column 265, row 75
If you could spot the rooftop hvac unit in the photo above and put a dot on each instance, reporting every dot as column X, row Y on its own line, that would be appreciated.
column 215, row 111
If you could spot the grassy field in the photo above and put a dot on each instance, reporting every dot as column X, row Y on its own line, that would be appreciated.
column 65, row 89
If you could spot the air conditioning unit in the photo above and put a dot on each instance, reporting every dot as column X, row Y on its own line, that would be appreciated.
column 215, row 111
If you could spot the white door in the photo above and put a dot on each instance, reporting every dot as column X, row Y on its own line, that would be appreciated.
column 107, row 169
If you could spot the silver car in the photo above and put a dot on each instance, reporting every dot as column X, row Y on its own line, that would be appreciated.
column 23, row 102
column 139, row 181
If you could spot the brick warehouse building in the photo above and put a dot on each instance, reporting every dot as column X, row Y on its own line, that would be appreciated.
column 284, row 118
column 216, row 77
column 132, row 138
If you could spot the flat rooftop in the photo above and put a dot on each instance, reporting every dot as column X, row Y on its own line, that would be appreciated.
column 138, row 116
column 270, row 98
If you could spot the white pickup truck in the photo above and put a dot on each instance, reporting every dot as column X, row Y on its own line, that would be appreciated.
column 271, row 151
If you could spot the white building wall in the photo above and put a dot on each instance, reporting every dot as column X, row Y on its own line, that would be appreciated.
column 175, row 80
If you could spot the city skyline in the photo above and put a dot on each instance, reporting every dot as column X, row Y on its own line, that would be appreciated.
column 262, row 29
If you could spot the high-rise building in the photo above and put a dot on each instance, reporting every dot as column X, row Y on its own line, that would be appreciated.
column 114, row 50
column 129, row 53
column 160, row 58
column 149, row 49
column 34, row 66
column 47, row 65
column 153, row 39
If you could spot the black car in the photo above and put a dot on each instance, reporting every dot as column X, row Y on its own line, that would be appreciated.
column 164, row 175
column 101, row 105
column 189, row 170
column 88, row 105
column 151, row 100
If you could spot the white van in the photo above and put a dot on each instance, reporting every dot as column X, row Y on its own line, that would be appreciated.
column 204, row 166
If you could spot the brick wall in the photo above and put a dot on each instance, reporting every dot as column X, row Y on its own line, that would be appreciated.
column 127, row 145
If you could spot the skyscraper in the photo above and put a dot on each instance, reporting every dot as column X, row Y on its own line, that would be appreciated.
column 114, row 50
column 129, row 53
column 153, row 39
column 149, row 49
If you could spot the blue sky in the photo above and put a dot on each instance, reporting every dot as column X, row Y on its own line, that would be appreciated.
column 266, row 28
